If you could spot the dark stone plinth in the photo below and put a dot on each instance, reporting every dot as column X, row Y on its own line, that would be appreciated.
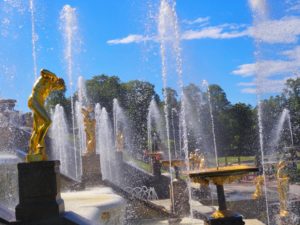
column 221, row 197
column 235, row 219
column 180, row 204
column 39, row 192
column 231, row 218
column 91, row 173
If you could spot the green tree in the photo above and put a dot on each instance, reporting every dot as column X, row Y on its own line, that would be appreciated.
column 242, row 130
column 103, row 89
column 135, row 99
column 58, row 97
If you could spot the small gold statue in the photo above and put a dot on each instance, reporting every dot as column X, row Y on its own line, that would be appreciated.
column 201, row 161
column 90, row 130
column 46, row 83
column 192, row 160
column 283, row 187
column 259, row 181
column 120, row 141
column 197, row 161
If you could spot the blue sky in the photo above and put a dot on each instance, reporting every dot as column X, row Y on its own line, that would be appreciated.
column 219, row 39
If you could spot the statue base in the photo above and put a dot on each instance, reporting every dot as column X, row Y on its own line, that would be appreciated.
column 91, row 172
column 39, row 192
column 235, row 219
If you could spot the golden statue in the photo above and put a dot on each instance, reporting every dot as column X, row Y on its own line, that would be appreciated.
column 192, row 160
column 90, row 130
column 259, row 181
column 201, row 161
column 120, row 141
column 45, row 84
column 197, row 161
column 283, row 187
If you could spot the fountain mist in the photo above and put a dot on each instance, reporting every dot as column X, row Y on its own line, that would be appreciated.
column 284, row 117
column 259, row 13
column 154, row 120
column 34, row 38
column 205, row 83
column 169, row 38
column 69, row 28
column 61, row 149
column 105, row 144
column 121, row 125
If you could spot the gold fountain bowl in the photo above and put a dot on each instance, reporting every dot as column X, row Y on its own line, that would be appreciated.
column 221, row 175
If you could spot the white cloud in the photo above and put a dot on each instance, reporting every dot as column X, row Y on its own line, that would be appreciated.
column 199, row 20
column 294, row 5
column 285, row 30
column 264, row 86
column 267, row 68
column 245, row 70
column 249, row 90
column 265, row 73
column 293, row 53
column 246, row 84
column 217, row 32
column 132, row 38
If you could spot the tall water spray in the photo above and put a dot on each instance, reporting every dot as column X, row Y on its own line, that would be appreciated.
column 260, row 15
column 121, row 125
column 205, row 84
column 69, row 29
column 105, row 145
column 284, row 117
column 290, row 127
column 169, row 37
column 34, row 37
column 82, row 102
column 82, row 94
column 60, row 144
column 155, row 124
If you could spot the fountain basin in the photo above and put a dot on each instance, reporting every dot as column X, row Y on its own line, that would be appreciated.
column 221, row 175
column 98, row 206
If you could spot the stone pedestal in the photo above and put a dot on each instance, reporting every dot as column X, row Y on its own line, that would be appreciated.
column 91, row 172
column 180, row 198
column 39, row 192
column 235, row 219
column 231, row 218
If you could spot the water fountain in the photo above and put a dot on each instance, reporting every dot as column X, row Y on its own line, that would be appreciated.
column 34, row 38
column 122, row 129
column 284, row 117
column 69, row 27
column 93, row 149
column 169, row 39
column 156, row 132
column 60, row 144
column 105, row 144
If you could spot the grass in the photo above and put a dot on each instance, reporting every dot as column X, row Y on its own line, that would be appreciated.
column 142, row 165
column 235, row 159
column 139, row 163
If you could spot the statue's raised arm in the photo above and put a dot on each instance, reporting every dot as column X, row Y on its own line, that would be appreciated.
column 45, row 84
